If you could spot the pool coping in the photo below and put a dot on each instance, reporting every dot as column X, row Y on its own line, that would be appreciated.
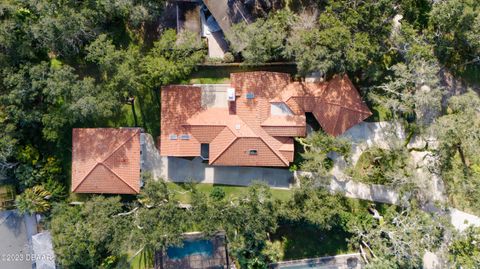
column 161, row 258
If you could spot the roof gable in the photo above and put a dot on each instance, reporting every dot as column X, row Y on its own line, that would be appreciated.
column 106, row 160
column 237, row 153
column 267, row 105
column 109, row 183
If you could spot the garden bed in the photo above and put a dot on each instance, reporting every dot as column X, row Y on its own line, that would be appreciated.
column 375, row 166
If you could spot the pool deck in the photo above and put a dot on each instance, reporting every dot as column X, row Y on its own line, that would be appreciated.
column 216, row 261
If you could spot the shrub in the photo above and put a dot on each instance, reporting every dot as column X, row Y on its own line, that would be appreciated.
column 228, row 57
column 380, row 166
column 217, row 193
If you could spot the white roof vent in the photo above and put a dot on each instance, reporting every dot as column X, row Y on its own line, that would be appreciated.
column 231, row 94
column 237, row 126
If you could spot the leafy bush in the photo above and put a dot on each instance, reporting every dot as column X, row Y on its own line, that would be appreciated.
column 217, row 193
column 379, row 166
column 228, row 58
column 33, row 200
column 317, row 146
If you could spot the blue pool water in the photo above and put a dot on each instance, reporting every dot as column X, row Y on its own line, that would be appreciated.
column 191, row 247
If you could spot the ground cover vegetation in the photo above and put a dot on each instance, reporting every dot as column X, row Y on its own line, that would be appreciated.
column 67, row 64
column 260, row 228
column 79, row 64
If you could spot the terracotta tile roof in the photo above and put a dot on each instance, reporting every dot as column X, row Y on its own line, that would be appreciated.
column 179, row 103
column 293, row 120
column 106, row 160
column 249, row 123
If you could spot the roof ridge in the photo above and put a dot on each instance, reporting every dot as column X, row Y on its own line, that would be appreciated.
column 120, row 146
column 221, row 152
column 199, row 124
column 108, row 156
column 263, row 124
column 346, row 79
column 113, row 172
column 336, row 120
column 279, row 155
column 348, row 108
column 110, row 170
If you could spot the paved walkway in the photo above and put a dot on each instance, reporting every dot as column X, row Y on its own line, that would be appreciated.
column 383, row 134
column 461, row 220
column 186, row 170
column 363, row 135
column 368, row 134
column 353, row 189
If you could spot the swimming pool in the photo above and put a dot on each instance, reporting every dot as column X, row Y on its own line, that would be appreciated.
column 191, row 247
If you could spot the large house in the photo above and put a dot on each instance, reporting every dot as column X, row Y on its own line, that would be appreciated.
column 252, row 121
column 106, row 160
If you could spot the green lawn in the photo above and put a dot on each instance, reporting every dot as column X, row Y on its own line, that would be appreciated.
column 147, row 112
column 208, row 76
column 183, row 193
column 142, row 261
column 300, row 241
column 221, row 74
column 372, row 165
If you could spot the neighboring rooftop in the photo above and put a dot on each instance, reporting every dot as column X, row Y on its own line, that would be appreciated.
column 210, row 19
column 227, row 13
column 43, row 249
column 15, row 231
column 256, row 127
column 106, row 160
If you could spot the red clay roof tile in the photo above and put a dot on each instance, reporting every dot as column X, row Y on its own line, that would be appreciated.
column 106, row 160
column 247, row 123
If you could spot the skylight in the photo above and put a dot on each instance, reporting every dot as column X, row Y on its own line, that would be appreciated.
column 185, row 137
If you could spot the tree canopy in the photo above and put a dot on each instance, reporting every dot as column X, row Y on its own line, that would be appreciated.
column 69, row 64
column 85, row 235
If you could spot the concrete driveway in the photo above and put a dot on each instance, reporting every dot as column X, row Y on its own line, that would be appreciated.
column 186, row 170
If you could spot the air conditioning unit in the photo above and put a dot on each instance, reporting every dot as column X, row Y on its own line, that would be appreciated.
column 231, row 94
